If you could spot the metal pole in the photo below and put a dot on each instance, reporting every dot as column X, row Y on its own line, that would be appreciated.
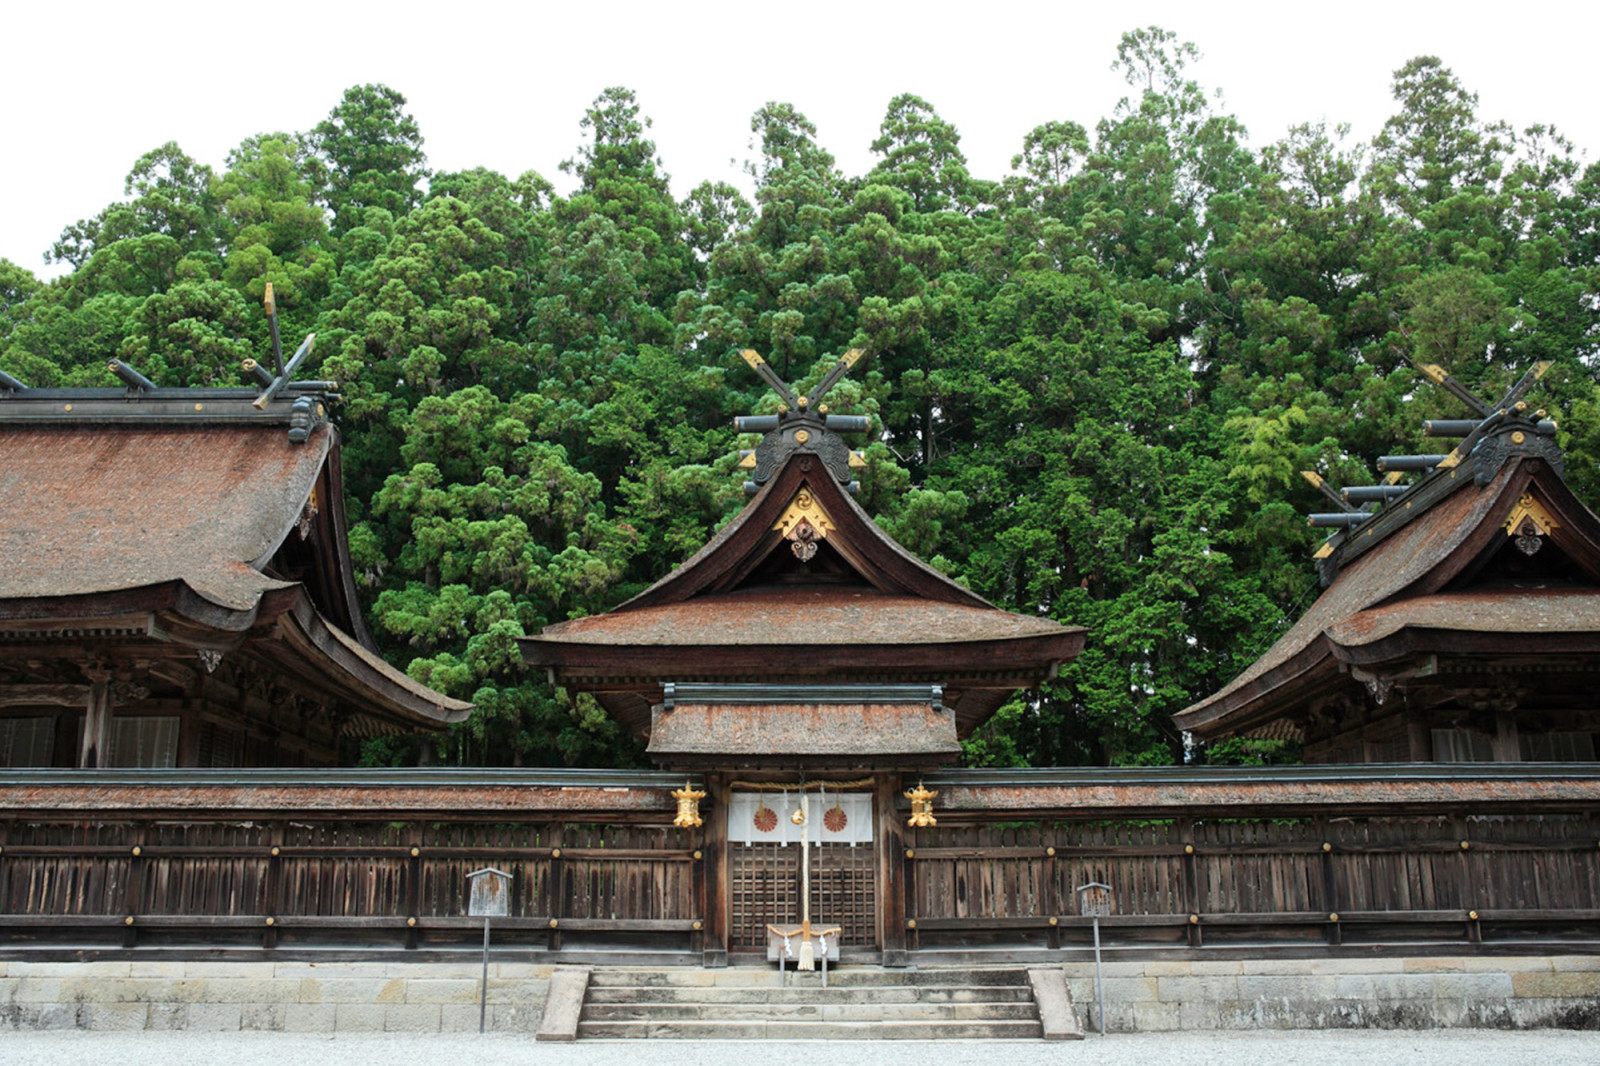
column 805, row 860
column 1099, row 984
column 483, row 993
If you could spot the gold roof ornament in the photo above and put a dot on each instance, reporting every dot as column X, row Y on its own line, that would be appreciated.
column 688, row 816
column 921, row 807
column 1529, row 509
column 804, row 508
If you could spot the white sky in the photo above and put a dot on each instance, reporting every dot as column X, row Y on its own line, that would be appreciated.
column 89, row 87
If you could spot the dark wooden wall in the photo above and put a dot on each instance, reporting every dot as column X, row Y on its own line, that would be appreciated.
column 1392, row 879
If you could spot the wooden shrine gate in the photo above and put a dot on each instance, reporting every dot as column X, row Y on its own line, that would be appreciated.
column 764, row 867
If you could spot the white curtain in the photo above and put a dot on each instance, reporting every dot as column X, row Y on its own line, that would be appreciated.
column 836, row 817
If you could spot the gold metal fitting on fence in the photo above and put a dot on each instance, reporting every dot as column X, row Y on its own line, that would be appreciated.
column 1326, row 846
column 137, row 851
column 1055, row 921
column 1194, row 919
column 276, row 852
column 911, row 923
column 128, row 920
column 921, row 807
column 1050, row 853
column 416, row 852
column 696, row 925
column 411, row 923
column 1472, row 915
column 272, row 921
column 697, row 856
column 1188, row 849
column 553, row 923
column 1333, row 917
column 688, row 797
column 1466, row 845
column 555, row 853
column 911, row 853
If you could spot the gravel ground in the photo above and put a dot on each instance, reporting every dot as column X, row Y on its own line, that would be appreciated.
column 1449, row 1047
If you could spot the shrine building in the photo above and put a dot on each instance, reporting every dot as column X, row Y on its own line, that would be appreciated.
column 176, row 587
column 803, row 648
column 1460, row 616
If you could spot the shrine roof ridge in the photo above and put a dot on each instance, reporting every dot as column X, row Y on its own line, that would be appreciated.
column 1500, row 433
column 737, row 693
column 278, row 398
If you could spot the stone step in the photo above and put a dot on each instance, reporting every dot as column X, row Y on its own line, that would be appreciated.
column 810, row 1030
column 833, row 1012
column 844, row 977
column 812, row 993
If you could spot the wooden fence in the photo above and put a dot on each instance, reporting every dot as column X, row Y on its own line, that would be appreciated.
column 224, row 877
column 1302, row 859
column 1431, row 880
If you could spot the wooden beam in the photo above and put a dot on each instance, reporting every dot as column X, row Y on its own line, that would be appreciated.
column 44, row 695
column 97, row 722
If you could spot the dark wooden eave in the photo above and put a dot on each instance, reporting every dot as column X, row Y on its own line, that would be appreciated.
column 284, row 631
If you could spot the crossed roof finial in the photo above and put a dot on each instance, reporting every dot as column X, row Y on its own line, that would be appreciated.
column 1499, row 431
column 803, row 423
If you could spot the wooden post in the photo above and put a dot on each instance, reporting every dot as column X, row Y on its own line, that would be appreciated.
column 133, row 890
column 1052, row 896
column 273, row 888
column 894, row 874
column 1470, row 891
column 413, row 881
column 1330, row 884
column 558, row 888
column 714, row 874
column 97, row 718
column 699, row 839
column 1507, row 742
column 1191, row 878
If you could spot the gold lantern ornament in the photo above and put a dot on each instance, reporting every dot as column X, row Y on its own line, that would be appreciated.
column 921, row 807
column 688, row 798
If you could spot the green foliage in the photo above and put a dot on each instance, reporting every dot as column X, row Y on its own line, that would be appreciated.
column 1091, row 384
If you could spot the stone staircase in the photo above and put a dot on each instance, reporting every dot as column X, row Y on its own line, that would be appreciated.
column 860, row 1003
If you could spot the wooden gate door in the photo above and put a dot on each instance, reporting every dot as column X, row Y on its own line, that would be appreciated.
column 764, row 871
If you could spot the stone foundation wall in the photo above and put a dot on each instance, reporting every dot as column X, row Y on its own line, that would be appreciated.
column 300, row 997
column 1505, row 992
column 1502, row 992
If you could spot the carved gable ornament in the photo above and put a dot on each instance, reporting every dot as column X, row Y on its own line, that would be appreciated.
column 1529, row 523
column 803, row 523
